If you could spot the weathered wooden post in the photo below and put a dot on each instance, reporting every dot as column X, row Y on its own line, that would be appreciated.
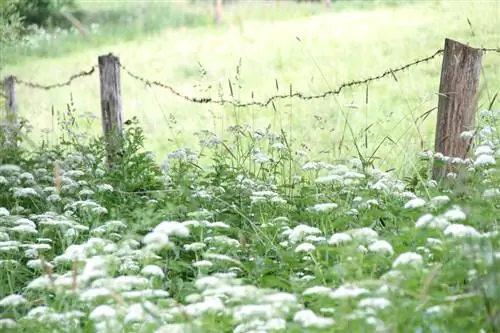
column 218, row 11
column 10, row 117
column 111, row 105
column 458, row 93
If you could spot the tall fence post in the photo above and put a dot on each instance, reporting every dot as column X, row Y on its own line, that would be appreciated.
column 458, row 93
column 111, row 105
column 10, row 118
column 218, row 11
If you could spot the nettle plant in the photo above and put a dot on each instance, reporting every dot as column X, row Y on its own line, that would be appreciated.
column 246, row 235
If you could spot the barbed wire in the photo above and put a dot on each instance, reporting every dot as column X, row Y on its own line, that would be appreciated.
column 237, row 103
column 56, row 85
column 291, row 94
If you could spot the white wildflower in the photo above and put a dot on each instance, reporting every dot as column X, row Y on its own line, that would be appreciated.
column 321, row 290
column 307, row 318
column 415, row 203
column 454, row 214
column 4, row 211
column 323, row 207
column 7, row 323
column 218, row 224
column 347, row 291
column 440, row 200
column 305, row 247
column 12, row 301
column 483, row 150
column 301, row 231
column 361, row 249
column 467, row 135
column 483, row 160
column 195, row 246
column 363, row 234
column 381, row 246
column 152, row 270
column 374, row 303
column 102, row 312
column 408, row 258
column 156, row 240
column 435, row 310
column 488, row 193
column 94, row 293
column 202, row 263
column 339, row 238
column 430, row 221
column 460, row 230
column 433, row 241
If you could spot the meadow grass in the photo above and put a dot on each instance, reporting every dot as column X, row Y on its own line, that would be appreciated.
column 311, row 54
column 261, row 239
column 236, row 220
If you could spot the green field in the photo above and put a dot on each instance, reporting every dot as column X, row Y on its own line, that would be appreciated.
column 336, row 45
column 280, row 231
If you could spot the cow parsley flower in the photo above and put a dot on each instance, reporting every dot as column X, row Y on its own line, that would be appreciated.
column 440, row 200
column 408, row 258
column 12, row 301
column 317, row 290
column 460, row 230
column 381, row 246
column 363, row 234
column 307, row 318
column 339, row 238
column 323, row 207
column 301, row 231
column 305, row 247
column 374, row 303
column 152, row 270
column 454, row 214
column 103, row 312
column 415, row 203
column 484, row 160
column 347, row 291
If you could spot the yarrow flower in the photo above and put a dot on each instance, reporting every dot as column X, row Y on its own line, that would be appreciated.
column 415, row 203
column 305, row 247
column 408, row 258
column 381, row 246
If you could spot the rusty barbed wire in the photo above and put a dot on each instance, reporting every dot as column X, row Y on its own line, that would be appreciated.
column 56, row 85
column 237, row 103
column 291, row 94
column 205, row 100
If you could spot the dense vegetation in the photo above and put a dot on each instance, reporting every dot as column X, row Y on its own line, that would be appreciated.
column 262, row 240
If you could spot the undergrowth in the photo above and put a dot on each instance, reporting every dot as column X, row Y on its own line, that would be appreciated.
column 263, row 239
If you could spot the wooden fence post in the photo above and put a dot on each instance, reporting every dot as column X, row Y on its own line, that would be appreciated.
column 111, row 105
column 10, row 118
column 458, row 93
column 218, row 11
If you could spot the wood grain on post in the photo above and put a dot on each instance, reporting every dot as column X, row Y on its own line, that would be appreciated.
column 10, row 118
column 111, row 105
column 458, row 93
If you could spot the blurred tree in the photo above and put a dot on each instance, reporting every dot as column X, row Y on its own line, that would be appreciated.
column 11, row 23
column 43, row 13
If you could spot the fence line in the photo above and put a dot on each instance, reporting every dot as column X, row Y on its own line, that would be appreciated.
column 457, row 94
column 266, row 103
